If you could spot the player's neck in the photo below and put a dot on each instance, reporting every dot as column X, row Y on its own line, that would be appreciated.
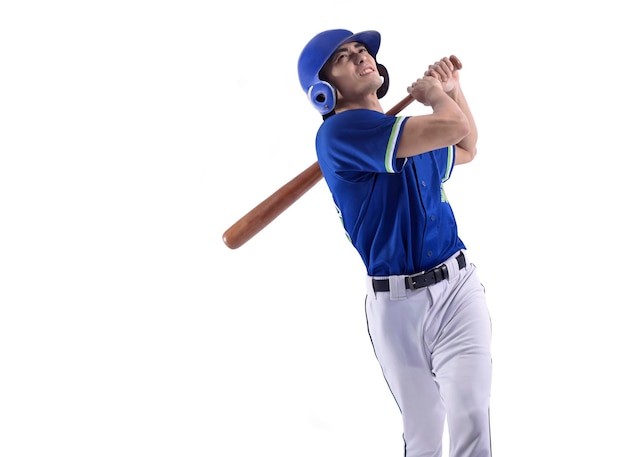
column 370, row 103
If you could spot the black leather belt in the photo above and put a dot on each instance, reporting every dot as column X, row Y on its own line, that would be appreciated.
column 419, row 280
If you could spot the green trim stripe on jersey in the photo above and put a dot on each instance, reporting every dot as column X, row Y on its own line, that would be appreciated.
column 391, row 145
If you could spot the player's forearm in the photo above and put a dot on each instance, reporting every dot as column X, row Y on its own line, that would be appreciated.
column 446, row 125
column 451, row 112
column 469, row 142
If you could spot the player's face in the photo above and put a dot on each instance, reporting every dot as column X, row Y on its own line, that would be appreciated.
column 352, row 70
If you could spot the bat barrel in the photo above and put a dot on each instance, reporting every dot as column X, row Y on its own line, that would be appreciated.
column 270, row 208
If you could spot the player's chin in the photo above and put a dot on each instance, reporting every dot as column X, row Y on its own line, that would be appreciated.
column 373, row 80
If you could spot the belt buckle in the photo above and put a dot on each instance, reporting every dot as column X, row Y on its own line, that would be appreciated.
column 411, row 283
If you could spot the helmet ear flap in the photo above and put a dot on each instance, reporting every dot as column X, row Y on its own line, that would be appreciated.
column 382, row 90
column 323, row 96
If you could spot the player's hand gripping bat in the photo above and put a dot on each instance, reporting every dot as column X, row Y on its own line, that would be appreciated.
column 270, row 208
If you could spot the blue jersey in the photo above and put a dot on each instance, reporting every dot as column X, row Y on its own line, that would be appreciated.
column 394, row 210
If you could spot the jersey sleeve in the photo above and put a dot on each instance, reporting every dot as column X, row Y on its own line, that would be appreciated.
column 446, row 159
column 361, row 141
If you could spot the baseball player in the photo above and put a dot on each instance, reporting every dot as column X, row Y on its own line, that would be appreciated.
column 426, row 310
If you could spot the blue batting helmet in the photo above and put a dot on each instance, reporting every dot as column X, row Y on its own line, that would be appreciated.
column 315, row 54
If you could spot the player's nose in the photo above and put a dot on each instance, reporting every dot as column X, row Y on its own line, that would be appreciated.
column 357, row 57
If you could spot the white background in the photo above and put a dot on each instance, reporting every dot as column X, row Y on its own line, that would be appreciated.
column 134, row 133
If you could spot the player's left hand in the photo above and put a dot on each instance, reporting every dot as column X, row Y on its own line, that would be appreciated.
column 445, row 72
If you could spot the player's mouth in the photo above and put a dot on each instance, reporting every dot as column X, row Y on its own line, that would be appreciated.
column 366, row 71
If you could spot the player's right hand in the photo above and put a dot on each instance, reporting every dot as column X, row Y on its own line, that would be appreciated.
column 445, row 71
column 426, row 89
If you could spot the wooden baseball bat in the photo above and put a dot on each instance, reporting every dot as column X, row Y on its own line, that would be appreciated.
column 269, row 209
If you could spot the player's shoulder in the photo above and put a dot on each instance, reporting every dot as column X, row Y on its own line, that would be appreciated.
column 357, row 118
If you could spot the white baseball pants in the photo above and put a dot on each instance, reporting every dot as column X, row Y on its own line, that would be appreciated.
column 433, row 345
